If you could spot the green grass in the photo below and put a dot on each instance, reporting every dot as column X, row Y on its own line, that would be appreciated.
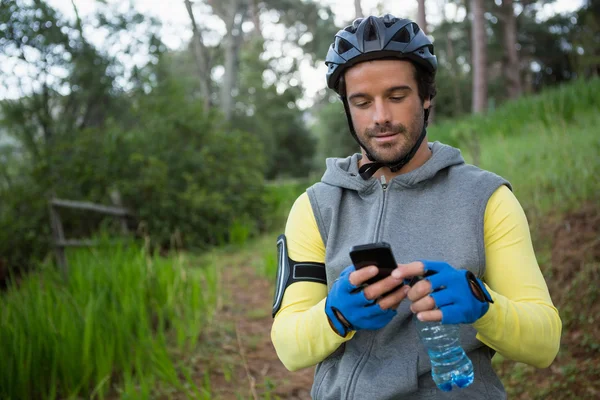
column 109, row 325
column 559, row 105
column 551, row 169
column 546, row 145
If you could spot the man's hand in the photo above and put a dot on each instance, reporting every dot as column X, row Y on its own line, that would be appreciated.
column 446, row 294
column 351, row 306
column 377, row 290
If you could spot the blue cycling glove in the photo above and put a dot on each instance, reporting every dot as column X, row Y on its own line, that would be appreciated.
column 348, row 301
column 454, row 295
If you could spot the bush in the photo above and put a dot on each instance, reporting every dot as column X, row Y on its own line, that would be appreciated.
column 279, row 197
column 24, row 226
column 175, row 168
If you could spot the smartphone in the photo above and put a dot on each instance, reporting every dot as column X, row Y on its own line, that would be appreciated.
column 378, row 254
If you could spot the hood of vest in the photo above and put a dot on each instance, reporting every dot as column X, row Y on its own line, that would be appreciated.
column 343, row 172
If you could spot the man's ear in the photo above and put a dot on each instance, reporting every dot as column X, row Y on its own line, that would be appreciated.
column 427, row 103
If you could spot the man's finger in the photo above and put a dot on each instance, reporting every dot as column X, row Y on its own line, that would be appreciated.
column 362, row 275
column 392, row 300
column 409, row 270
column 382, row 287
column 433, row 315
column 419, row 290
column 427, row 303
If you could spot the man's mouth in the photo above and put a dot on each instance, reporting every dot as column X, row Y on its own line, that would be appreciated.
column 385, row 137
column 386, row 134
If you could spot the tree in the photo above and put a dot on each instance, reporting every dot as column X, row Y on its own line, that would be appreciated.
column 479, row 57
column 201, row 58
column 358, row 12
column 585, row 38
column 512, row 67
column 421, row 18
column 422, row 22
column 71, row 85
column 66, row 87
column 306, row 21
column 233, row 13
column 453, row 50
column 272, row 116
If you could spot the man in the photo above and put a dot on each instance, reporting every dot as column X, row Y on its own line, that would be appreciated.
column 428, row 204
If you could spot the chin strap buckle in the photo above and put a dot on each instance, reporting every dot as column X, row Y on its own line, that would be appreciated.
column 366, row 171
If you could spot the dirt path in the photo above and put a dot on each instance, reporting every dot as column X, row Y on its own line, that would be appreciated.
column 243, row 363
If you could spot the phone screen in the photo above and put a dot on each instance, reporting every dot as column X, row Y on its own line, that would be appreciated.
column 378, row 254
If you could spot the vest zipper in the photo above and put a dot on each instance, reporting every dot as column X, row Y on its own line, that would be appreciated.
column 384, row 187
column 365, row 356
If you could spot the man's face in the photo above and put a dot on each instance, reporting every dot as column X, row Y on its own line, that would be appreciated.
column 386, row 110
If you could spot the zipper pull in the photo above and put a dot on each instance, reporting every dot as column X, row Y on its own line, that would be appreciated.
column 383, row 182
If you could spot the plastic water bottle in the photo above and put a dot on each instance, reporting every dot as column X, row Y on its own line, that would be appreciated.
column 450, row 366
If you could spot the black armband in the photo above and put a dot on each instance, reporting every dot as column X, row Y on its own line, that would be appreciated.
column 290, row 271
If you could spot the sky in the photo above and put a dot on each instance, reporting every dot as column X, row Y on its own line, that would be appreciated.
column 176, row 27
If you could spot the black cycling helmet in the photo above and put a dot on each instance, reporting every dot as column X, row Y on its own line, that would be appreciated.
column 375, row 38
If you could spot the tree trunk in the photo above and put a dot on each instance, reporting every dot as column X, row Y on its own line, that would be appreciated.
column 231, row 43
column 201, row 58
column 467, row 5
column 422, row 22
column 232, row 13
column 229, row 75
column 458, row 107
column 454, row 68
column 421, row 19
column 255, row 18
column 511, row 67
column 358, row 9
column 479, row 57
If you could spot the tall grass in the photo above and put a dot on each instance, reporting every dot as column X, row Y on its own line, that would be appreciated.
column 546, row 145
column 551, row 169
column 107, row 326
column 265, row 247
column 563, row 104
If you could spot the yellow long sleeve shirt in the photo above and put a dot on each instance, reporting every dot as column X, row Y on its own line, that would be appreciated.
column 522, row 324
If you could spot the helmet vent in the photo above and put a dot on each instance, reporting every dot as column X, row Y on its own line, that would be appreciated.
column 416, row 28
column 402, row 36
column 370, row 33
column 343, row 46
column 389, row 20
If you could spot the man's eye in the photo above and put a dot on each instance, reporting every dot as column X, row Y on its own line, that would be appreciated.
column 397, row 98
column 362, row 104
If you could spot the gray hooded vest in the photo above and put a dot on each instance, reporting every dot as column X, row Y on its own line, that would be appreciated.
column 435, row 213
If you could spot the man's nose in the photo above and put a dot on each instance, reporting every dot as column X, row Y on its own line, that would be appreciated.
column 382, row 115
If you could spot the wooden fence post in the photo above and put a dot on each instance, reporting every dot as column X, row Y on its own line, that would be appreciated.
column 115, row 196
column 58, row 236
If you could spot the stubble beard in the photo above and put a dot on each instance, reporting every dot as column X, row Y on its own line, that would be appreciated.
column 391, row 152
